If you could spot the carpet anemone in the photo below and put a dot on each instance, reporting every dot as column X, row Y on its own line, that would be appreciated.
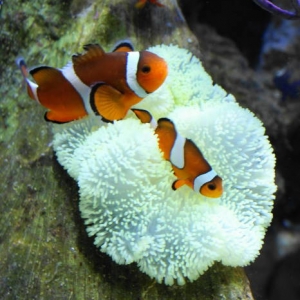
column 126, row 197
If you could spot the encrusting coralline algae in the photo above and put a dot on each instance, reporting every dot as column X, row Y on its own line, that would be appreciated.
column 126, row 197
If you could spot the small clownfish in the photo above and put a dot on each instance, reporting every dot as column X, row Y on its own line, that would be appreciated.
column 105, row 84
column 142, row 3
column 188, row 163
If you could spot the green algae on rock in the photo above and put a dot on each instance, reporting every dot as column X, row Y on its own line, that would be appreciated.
column 125, row 185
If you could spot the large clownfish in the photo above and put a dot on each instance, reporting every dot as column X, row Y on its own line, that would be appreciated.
column 188, row 163
column 105, row 84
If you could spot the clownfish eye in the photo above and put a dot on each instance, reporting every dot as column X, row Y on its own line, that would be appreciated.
column 212, row 186
column 146, row 69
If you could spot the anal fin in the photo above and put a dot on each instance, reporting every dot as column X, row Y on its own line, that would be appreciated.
column 53, row 117
column 142, row 114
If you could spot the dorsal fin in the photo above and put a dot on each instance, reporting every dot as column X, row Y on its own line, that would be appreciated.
column 123, row 46
column 45, row 75
column 166, row 123
column 93, row 51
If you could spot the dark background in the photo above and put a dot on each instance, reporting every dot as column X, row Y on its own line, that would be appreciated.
column 240, row 34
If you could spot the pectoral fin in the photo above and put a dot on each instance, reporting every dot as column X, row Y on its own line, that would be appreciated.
column 106, row 101
column 179, row 183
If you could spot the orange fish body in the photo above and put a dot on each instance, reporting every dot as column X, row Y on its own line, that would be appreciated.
column 142, row 3
column 57, row 94
column 100, row 83
column 188, row 163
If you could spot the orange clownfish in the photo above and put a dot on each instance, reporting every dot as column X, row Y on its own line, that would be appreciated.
column 142, row 3
column 95, row 82
column 188, row 163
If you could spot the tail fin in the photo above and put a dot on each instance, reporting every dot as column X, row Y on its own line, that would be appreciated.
column 31, row 86
column 22, row 65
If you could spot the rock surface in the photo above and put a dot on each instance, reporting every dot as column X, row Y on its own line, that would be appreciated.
column 44, row 250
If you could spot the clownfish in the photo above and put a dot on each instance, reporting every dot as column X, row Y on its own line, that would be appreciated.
column 188, row 162
column 142, row 3
column 95, row 82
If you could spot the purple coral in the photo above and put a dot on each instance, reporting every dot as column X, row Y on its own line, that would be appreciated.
column 274, row 9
